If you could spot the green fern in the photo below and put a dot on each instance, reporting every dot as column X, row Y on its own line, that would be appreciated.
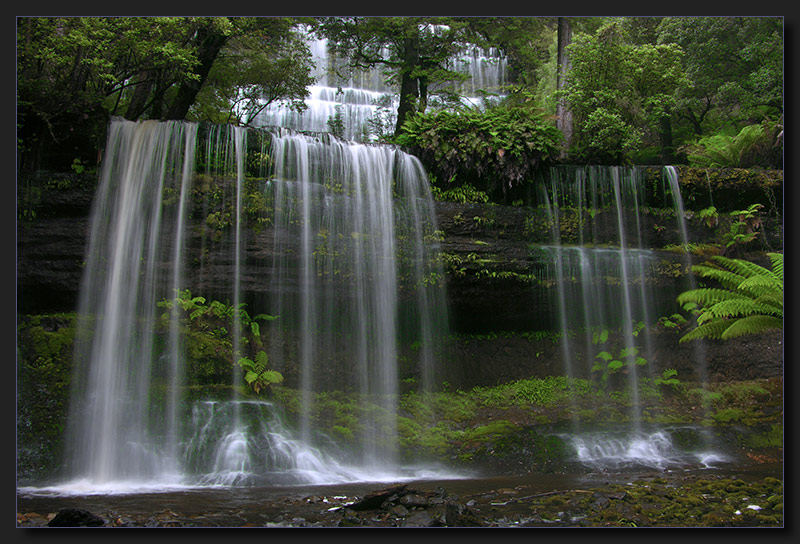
column 750, row 300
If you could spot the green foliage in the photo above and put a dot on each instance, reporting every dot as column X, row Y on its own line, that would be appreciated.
column 545, row 392
column 747, row 79
column 617, row 91
column 463, row 194
column 73, row 73
column 754, row 145
column 607, row 364
column 672, row 322
column 709, row 215
column 745, row 226
column 749, row 299
column 262, row 63
column 257, row 375
column 773, row 438
column 494, row 150
column 336, row 123
column 207, row 335
column 669, row 378
column 414, row 52
column 45, row 346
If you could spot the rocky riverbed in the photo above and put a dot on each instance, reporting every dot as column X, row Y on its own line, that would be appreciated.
column 747, row 497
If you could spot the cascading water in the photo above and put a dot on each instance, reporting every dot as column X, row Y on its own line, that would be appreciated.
column 354, row 99
column 671, row 176
column 118, row 422
column 603, row 273
column 354, row 274
column 364, row 103
column 345, row 254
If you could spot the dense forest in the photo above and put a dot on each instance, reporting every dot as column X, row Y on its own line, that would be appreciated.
column 703, row 91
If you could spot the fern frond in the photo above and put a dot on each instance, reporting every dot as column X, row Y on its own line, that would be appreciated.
column 751, row 305
column 761, row 285
column 752, row 325
column 772, row 301
column 740, row 266
column 713, row 329
column 735, row 308
column 777, row 264
column 726, row 278
column 708, row 295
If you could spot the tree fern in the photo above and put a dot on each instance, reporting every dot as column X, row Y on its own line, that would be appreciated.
column 749, row 301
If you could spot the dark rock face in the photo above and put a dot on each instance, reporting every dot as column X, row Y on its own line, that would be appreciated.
column 490, row 273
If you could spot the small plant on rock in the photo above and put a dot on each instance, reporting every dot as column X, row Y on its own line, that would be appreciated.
column 257, row 375
column 608, row 364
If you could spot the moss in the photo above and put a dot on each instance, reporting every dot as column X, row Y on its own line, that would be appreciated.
column 773, row 438
column 548, row 392
column 492, row 432
column 728, row 415
column 45, row 349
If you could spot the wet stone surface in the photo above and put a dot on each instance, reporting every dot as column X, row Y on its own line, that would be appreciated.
column 669, row 499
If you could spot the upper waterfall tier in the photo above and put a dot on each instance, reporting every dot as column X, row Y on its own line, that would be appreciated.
column 358, row 104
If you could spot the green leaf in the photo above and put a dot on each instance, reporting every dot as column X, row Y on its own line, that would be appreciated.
column 668, row 373
column 629, row 352
column 616, row 364
column 262, row 359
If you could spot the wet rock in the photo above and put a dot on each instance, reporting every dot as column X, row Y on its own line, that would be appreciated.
column 399, row 511
column 376, row 500
column 413, row 499
column 75, row 517
column 420, row 518
column 600, row 501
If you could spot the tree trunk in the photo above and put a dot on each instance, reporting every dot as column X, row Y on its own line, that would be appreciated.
column 139, row 99
column 563, row 113
column 423, row 94
column 210, row 43
column 665, row 136
column 409, row 85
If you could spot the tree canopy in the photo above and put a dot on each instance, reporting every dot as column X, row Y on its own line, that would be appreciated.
column 75, row 72
column 414, row 50
column 638, row 89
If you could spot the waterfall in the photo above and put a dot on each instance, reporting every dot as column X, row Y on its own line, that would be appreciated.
column 596, row 270
column 355, row 275
column 121, row 414
column 671, row 175
column 354, row 98
column 345, row 256
column 366, row 103
column 603, row 272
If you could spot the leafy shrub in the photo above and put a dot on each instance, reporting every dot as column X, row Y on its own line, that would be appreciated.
column 463, row 194
column 257, row 375
column 206, row 330
column 606, row 138
column 754, row 145
column 494, row 150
